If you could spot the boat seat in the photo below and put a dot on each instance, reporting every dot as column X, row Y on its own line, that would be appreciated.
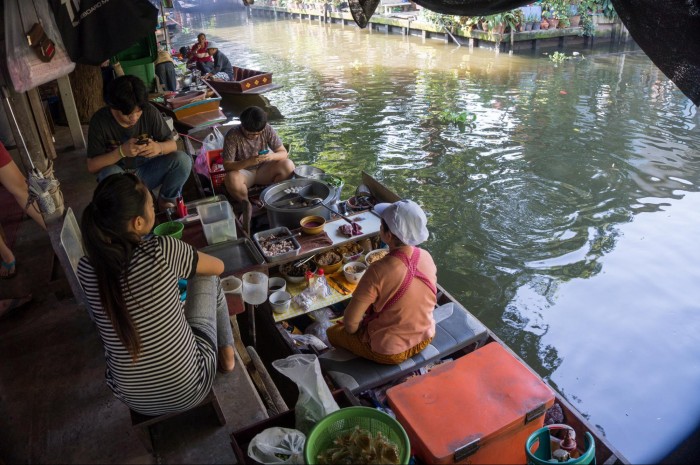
column 455, row 329
column 142, row 423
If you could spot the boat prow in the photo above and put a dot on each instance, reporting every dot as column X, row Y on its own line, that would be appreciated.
column 245, row 81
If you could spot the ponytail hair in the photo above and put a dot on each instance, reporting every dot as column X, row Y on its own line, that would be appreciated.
column 109, row 244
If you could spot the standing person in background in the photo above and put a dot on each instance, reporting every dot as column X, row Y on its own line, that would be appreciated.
column 165, row 70
column 222, row 69
column 131, row 135
column 253, row 154
column 14, row 181
column 161, row 354
column 200, row 54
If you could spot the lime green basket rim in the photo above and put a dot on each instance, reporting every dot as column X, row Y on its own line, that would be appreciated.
column 357, row 412
column 168, row 228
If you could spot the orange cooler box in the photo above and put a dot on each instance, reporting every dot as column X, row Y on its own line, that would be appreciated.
column 480, row 408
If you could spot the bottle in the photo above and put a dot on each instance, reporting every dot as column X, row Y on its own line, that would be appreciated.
column 310, row 278
column 180, row 206
column 322, row 287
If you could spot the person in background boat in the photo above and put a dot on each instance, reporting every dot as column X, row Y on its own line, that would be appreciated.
column 115, row 145
column 390, row 316
column 165, row 70
column 161, row 354
column 253, row 154
column 222, row 69
column 200, row 55
column 14, row 181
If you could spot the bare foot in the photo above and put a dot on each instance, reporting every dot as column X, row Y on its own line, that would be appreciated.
column 227, row 359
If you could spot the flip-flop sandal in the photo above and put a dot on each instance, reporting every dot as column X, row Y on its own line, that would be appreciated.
column 11, row 269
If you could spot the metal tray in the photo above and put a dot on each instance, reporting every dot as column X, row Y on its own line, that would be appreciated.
column 280, row 231
column 237, row 255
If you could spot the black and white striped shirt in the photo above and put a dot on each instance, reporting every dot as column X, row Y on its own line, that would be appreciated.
column 176, row 366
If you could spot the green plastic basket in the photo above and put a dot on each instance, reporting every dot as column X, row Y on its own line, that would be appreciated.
column 344, row 420
column 171, row 228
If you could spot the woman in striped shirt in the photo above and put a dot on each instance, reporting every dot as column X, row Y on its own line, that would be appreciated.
column 161, row 356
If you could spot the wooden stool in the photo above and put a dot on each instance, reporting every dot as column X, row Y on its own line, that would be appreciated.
column 142, row 423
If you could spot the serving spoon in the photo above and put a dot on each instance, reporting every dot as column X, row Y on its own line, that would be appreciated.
column 319, row 201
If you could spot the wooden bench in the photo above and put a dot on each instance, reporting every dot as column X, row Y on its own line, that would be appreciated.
column 142, row 423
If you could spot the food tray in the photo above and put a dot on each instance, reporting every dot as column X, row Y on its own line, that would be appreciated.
column 280, row 232
column 237, row 255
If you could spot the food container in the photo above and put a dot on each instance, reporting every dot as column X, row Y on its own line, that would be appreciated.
column 375, row 255
column 170, row 228
column 280, row 300
column 299, row 277
column 354, row 271
column 312, row 224
column 275, row 284
column 218, row 222
column 329, row 268
column 289, row 215
column 308, row 171
column 237, row 255
column 489, row 405
column 279, row 232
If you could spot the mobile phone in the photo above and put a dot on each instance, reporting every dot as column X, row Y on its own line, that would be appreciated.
column 263, row 152
column 142, row 139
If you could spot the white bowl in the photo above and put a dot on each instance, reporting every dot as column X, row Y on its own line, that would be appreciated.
column 371, row 256
column 280, row 301
column 353, row 271
column 275, row 284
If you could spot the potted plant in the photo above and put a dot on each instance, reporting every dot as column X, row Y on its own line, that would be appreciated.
column 544, row 24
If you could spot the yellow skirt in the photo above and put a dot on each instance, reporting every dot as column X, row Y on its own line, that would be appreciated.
column 338, row 337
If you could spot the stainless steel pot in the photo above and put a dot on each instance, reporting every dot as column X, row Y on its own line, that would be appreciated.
column 289, row 216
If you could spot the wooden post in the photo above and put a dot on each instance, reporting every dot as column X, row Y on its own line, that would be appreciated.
column 76, row 130
column 42, row 125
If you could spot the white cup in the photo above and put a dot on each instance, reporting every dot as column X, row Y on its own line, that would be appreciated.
column 233, row 291
column 280, row 301
column 276, row 284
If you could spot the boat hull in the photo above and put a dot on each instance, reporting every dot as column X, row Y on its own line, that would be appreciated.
column 193, row 114
column 245, row 81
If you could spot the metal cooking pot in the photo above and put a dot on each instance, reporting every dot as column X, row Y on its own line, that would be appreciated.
column 279, row 214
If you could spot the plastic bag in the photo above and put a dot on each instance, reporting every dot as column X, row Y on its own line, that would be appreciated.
column 323, row 322
column 273, row 444
column 27, row 70
column 213, row 141
column 315, row 399
column 310, row 340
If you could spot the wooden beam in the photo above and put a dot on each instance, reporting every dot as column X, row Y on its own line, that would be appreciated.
column 76, row 130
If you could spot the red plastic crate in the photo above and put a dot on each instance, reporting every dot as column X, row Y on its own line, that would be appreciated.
column 217, row 177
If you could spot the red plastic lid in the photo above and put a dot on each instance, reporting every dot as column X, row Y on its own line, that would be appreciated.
column 320, row 272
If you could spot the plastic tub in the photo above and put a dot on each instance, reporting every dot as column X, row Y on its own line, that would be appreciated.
column 278, row 232
column 218, row 222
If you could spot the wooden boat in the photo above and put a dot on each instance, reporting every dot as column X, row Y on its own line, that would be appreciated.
column 279, row 344
column 192, row 109
column 245, row 81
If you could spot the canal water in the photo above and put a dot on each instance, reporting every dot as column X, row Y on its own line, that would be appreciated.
column 564, row 207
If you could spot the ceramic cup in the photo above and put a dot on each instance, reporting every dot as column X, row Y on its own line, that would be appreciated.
column 276, row 284
column 233, row 291
column 280, row 301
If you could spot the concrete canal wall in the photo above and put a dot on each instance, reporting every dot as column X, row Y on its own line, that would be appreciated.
column 606, row 31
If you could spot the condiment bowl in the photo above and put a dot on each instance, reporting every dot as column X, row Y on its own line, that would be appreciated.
column 312, row 224
column 280, row 301
column 354, row 271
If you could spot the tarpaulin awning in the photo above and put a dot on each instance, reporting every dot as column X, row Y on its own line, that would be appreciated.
column 94, row 30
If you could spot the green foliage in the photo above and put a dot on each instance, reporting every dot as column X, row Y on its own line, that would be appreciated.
column 438, row 19
column 462, row 118
column 558, row 58
column 587, row 26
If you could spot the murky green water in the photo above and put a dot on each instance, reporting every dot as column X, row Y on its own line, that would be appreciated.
column 567, row 218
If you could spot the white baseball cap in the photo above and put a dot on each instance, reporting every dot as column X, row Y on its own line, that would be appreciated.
column 406, row 220
column 212, row 44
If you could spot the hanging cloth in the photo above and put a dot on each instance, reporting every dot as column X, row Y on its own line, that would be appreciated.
column 95, row 30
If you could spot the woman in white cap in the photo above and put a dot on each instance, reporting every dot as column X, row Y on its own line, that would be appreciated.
column 390, row 316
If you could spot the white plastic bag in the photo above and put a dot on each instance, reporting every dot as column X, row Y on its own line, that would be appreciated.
column 214, row 140
column 26, row 70
column 274, row 444
column 315, row 399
